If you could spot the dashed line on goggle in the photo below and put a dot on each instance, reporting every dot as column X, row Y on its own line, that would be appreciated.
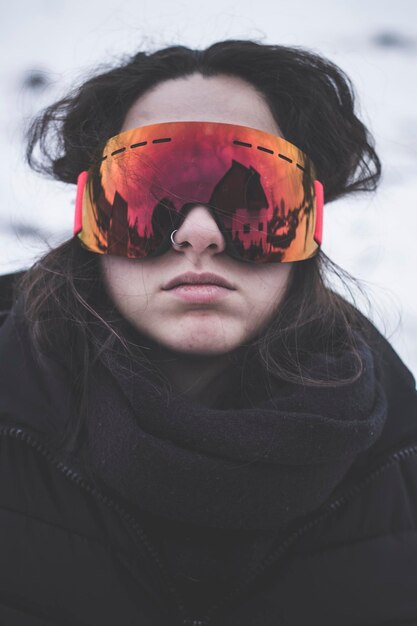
column 238, row 143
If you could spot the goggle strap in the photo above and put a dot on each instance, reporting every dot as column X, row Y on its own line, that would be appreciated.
column 318, row 231
column 78, row 218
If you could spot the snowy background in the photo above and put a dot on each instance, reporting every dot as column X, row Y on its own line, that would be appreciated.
column 48, row 46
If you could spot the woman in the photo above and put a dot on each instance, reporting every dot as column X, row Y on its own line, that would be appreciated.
column 239, row 453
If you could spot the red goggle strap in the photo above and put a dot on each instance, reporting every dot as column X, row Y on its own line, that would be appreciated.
column 78, row 218
column 318, row 231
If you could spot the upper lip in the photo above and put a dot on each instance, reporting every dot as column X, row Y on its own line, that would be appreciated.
column 193, row 278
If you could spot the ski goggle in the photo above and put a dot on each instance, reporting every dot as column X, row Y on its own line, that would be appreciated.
column 260, row 189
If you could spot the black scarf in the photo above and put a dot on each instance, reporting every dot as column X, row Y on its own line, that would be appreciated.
column 253, row 462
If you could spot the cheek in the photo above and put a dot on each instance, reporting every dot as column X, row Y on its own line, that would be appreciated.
column 256, row 303
column 268, row 292
column 125, row 285
column 267, row 287
column 122, row 276
column 113, row 277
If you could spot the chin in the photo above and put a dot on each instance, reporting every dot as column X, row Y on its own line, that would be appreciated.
column 202, row 348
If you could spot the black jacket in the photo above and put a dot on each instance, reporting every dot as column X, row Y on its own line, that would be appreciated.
column 71, row 555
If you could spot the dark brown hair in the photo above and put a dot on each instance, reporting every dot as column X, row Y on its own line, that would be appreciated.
column 312, row 101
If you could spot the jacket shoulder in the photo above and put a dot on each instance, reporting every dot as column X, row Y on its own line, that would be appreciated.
column 360, row 553
column 32, row 484
column 66, row 557
column 37, row 484
column 7, row 284
column 382, row 502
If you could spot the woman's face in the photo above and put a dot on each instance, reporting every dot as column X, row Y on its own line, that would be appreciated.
column 137, row 285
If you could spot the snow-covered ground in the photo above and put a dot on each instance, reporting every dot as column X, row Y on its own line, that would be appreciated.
column 47, row 46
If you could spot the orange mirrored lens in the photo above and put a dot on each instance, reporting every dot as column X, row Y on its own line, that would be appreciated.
column 259, row 187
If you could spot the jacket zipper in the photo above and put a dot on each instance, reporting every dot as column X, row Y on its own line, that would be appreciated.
column 27, row 437
column 313, row 520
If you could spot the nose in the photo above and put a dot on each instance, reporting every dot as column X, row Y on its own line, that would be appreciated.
column 201, row 233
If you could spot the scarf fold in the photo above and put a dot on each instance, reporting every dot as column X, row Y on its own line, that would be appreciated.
column 253, row 462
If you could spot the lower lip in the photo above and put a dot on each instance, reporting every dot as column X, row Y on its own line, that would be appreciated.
column 200, row 293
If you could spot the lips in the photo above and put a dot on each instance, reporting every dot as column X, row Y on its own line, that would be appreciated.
column 192, row 278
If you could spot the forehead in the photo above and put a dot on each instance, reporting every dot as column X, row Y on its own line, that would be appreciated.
column 221, row 98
